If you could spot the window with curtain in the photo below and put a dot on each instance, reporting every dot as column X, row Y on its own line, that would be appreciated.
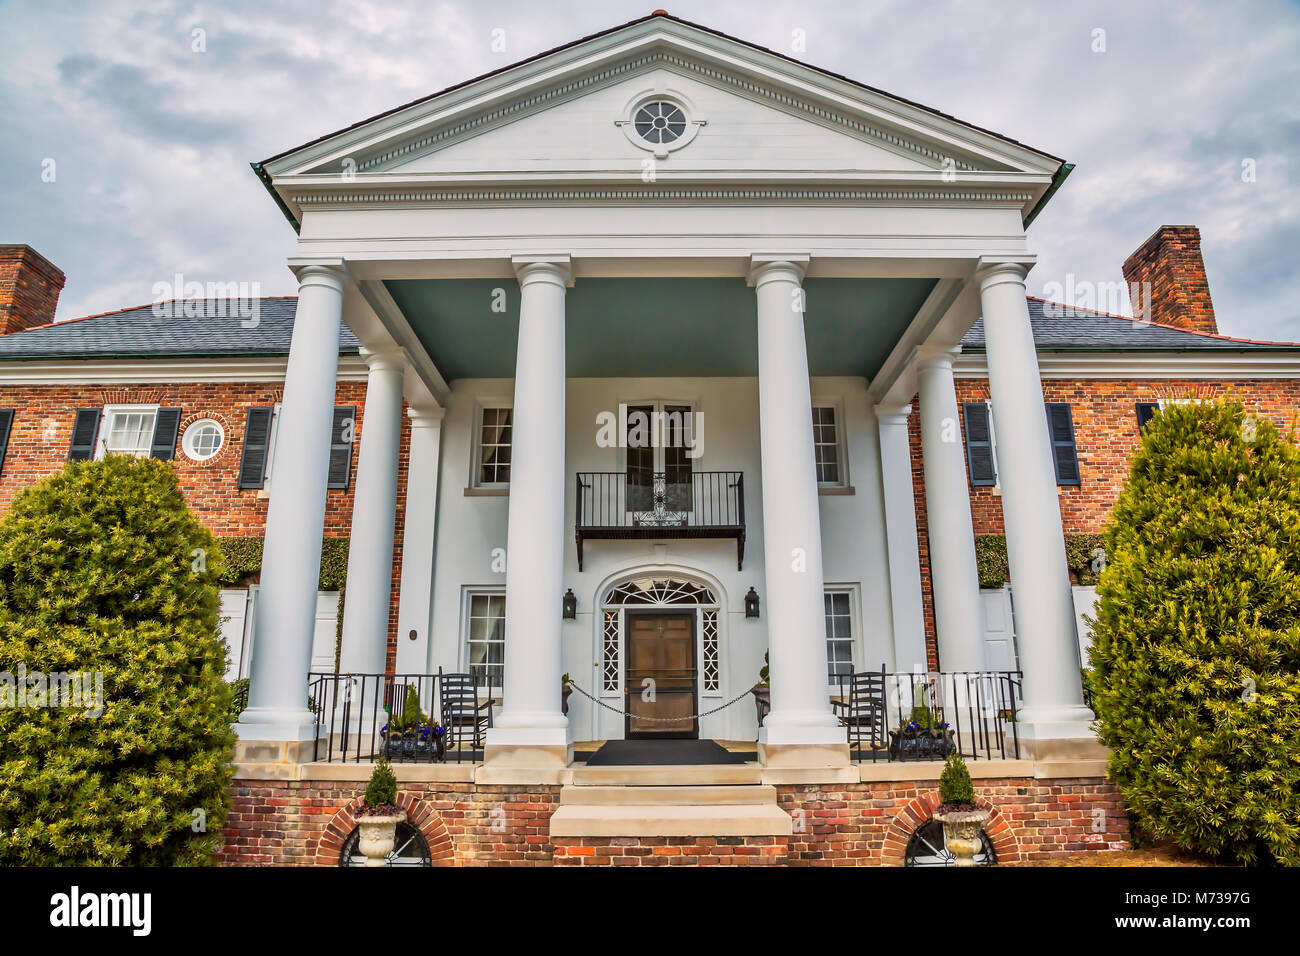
column 486, row 637
column 494, row 446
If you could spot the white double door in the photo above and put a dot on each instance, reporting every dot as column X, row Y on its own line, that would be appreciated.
column 238, row 612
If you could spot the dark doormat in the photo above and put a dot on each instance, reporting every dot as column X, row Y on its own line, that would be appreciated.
column 664, row 753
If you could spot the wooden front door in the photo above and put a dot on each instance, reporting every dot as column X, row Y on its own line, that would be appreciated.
column 661, row 674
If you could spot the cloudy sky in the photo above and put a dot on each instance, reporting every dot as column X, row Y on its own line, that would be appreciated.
column 148, row 142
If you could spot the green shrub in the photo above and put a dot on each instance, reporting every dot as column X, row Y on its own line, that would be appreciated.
column 104, row 570
column 381, row 791
column 1196, row 647
column 955, row 788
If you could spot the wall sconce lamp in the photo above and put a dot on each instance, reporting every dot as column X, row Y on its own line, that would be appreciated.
column 570, row 605
column 751, row 603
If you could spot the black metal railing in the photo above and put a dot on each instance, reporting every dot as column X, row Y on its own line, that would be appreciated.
column 927, row 716
column 673, row 504
column 404, row 717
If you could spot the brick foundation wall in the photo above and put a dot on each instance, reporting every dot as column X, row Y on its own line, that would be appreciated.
column 302, row 823
column 865, row 824
column 671, row 851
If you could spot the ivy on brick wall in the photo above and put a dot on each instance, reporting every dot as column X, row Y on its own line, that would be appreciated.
column 244, row 560
column 1080, row 556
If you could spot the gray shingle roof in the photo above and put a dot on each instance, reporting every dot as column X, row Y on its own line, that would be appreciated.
column 139, row 333
column 1062, row 328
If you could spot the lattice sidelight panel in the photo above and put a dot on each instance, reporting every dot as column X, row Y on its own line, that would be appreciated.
column 712, row 668
column 609, row 658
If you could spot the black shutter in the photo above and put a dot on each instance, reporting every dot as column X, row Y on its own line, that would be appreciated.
column 166, row 426
column 1060, row 423
column 1146, row 412
column 345, row 427
column 6, row 422
column 84, row 432
column 979, row 444
column 257, row 446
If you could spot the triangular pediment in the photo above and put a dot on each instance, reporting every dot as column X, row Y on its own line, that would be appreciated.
column 753, row 116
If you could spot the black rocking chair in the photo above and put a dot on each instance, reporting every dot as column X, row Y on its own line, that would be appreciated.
column 861, row 709
column 463, row 715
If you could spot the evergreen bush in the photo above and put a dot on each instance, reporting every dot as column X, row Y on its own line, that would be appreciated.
column 955, row 789
column 105, row 571
column 1196, row 646
column 381, row 791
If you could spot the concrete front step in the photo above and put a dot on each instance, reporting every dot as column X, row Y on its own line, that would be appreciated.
column 697, row 775
column 642, row 820
column 699, row 796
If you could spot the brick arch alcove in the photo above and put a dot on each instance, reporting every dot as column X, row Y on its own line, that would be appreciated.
column 921, row 808
column 418, row 814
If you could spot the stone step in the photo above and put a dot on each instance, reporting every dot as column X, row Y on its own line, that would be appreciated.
column 699, row 796
column 640, row 820
column 696, row 775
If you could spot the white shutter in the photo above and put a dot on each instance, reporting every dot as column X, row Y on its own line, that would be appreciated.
column 999, row 630
column 234, row 608
column 325, row 637
column 1085, row 602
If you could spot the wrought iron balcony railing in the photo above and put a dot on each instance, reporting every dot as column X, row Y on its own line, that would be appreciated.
column 411, row 718
column 682, row 504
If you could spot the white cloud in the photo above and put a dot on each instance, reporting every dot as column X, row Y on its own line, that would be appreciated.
column 153, row 140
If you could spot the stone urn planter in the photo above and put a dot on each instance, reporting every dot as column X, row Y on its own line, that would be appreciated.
column 378, row 834
column 961, row 832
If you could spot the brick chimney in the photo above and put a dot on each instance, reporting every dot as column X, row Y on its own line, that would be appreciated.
column 1178, row 292
column 29, row 289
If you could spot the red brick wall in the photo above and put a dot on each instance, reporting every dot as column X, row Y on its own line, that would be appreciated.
column 870, row 823
column 671, row 851
column 299, row 823
column 42, row 432
column 865, row 824
column 29, row 289
column 1106, row 435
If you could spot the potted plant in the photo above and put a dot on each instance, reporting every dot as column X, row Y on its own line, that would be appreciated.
column 378, row 819
column 923, row 736
column 432, row 742
column 762, row 691
column 961, row 817
column 402, row 733
column 565, row 690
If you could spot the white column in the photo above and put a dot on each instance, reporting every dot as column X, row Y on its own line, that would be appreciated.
column 1040, row 581
column 531, row 729
column 286, row 611
column 414, row 608
column 901, row 538
column 792, row 541
column 954, row 576
column 374, row 510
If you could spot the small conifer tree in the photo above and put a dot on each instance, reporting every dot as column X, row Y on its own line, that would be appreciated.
column 955, row 787
column 105, row 573
column 1196, row 646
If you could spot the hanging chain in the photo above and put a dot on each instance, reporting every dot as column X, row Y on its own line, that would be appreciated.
column 665, row 720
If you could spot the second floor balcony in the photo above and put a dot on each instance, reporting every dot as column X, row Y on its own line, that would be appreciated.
column 674, row 504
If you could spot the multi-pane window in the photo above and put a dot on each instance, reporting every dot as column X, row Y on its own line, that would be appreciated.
column 494, row 446
column 128, row 431
column 826, row 445
column 486, row 638
column 839, row 634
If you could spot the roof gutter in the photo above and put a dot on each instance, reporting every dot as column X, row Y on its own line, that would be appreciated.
column 1062, row 173
column 265, row 177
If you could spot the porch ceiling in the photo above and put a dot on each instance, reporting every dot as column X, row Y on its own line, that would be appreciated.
column 657, row 327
